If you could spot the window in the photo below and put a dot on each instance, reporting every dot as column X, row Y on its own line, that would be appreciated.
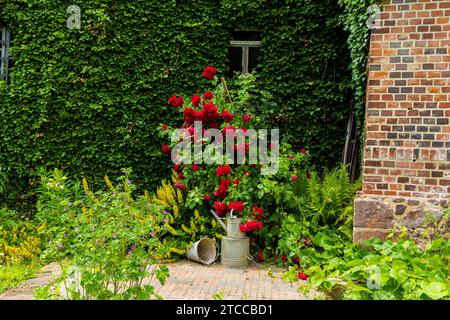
column 244, row 51
column 5, row 61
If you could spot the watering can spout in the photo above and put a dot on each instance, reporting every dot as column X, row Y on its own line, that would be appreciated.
column 220, row 220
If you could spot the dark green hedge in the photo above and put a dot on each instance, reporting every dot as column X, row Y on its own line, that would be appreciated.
column 91, row 101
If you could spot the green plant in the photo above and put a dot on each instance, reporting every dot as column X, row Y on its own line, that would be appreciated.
column 327, row 201
column 19, row 240
column 382, row 270
column 107, row 242
column 12, row 275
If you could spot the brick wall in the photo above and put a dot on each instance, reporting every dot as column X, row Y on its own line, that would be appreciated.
column 406, row 166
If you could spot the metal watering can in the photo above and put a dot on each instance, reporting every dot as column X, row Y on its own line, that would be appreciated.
column 235, row 246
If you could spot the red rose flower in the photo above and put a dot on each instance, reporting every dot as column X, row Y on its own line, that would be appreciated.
column 257, row 212
column 208, row 95
column 165, row 149
column 179, row 186
column 284, row 258
column 177, row 168
column 223, row 170
column 246, row 118
column 214, row 125
column 164, row 127
column 196, row 100
column 243, row 228
column 260, row 256
column 221, row 208
column 176, row 101
column 195, row 167
column 236, row 181
column 209, row 72
column 210, row 112
column 296, row 260
column 302, row 151
column 227, row 117
column 189, row 115
column 207, row 197
column 294, row 178
column 237, row 206
column 291, row 157
column 180, row 176
column 302, row 276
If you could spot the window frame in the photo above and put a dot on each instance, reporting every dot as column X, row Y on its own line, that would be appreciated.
column 4, row 52
column 245, row 45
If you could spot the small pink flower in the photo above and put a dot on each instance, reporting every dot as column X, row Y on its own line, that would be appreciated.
column 294, row 178
column 246, row 118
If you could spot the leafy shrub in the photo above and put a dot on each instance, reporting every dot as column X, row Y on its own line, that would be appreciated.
column 225, row 185
column 19, row 241
column 380, row 270
column 112, row 240
column 323, row 204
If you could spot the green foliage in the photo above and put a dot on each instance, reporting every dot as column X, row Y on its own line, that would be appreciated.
column 90, row 101
column 19, row 240
column 354, row 22
column 327, row 201
column 12, row 275
column 380, row 270
column 112, row 240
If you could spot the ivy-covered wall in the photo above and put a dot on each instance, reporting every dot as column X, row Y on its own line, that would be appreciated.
column 91, row 101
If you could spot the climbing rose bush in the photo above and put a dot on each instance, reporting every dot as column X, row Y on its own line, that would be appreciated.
column 227, row 188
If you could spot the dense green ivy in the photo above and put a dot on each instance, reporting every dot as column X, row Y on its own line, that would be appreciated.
column 91, row 101
column 354, row 21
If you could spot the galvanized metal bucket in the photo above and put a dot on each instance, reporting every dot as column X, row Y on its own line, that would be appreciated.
column 235, row 252
column 203, row 251
column 235, row 246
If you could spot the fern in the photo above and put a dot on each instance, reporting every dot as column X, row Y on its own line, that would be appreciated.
column 328, row 201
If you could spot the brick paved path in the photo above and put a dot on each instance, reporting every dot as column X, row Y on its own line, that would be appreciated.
column 190, row 280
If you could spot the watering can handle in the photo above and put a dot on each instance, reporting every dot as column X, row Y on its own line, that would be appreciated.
column 219, row 219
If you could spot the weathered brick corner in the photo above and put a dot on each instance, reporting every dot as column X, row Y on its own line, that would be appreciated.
column 406, row 166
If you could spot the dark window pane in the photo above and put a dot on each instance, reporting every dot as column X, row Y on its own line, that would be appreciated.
column 254, row 59
column 234, row 60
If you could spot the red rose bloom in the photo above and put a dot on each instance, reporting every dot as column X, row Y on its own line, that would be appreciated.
column 165, row 149
column 257, row 212
column 284, row 258
column 236, row 181
column 210, row 112
column 214, row 125
column 302, row 151
column 294, row 178
column 243, row 228
column 196, row 100
column 180, row 176
column 302, row 276
column 195, row 167
column 176, row 101
column 221, row 208
column 207, row 197
column 208, row 95
column 209, row 72
column 164, row 127
column 177, row 168
column 246, row 118
column 180, row 186
column 260, row 256
column 189, row 115
column 296, row 260
column 237, row 206
column 227, row 117
column 223, row 170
